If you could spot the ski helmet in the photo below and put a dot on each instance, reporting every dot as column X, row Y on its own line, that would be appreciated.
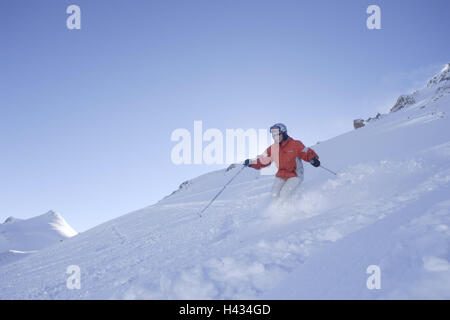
column 280, row 127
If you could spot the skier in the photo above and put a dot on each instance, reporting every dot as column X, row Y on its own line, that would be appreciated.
column 287, row 154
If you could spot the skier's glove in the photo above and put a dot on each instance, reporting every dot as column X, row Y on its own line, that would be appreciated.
column 315, row 162
column 247, row 163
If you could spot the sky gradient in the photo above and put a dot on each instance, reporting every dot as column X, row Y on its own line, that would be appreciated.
column 86, row 116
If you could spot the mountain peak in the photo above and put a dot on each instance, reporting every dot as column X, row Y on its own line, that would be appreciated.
column 53, row 213
column 443, row 75
column 18, row 236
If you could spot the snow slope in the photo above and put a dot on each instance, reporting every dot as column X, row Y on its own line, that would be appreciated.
column 19, row 238
column 389, row 206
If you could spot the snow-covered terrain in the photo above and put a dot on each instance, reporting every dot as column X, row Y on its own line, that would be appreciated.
column 19, row 238
column 389, row 207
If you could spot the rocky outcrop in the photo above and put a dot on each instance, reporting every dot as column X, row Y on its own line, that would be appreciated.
column 358, row 123
column 185, row 185
column 11, row 219
column 442, row 76
column 375, row 118
column 403, row 101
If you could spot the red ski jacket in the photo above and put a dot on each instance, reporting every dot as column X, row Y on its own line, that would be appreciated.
column 285, row 157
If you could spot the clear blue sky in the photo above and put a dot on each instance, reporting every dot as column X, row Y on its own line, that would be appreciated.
column 86, row 115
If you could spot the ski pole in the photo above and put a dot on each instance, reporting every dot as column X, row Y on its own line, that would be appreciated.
column 328, row 170
column 200, row 213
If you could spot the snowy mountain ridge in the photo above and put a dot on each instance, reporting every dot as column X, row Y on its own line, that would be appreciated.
column 436, row 88
column 442, row 76
column 388, row 207
column 20, row 237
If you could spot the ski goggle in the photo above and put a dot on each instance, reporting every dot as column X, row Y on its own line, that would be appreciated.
column 275, row 130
